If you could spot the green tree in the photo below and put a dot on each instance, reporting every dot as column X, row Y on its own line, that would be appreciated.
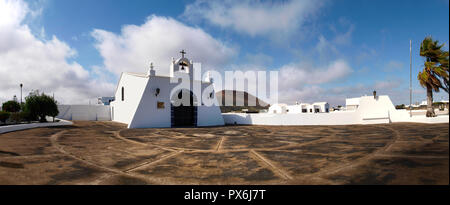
column 40, row 106
column 402, row 106
column 11, row 106
column 430, row 77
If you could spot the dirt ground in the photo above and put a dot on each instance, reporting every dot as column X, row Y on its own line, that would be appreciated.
column 108, row 153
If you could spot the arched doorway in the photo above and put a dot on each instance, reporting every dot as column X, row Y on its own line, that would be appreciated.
column 183, row 114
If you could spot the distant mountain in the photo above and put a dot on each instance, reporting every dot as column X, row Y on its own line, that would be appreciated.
column 238, row 99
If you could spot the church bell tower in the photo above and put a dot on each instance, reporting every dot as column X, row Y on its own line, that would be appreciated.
column 182, row 65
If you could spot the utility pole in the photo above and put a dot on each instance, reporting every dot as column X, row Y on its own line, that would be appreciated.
column 410, row 78
column 21, row 85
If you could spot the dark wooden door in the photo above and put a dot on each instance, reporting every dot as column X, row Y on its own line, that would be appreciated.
column 184, row 115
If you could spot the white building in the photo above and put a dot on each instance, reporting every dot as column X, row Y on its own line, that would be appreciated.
column 318, row 107
column 146, row 100
column 423, row 103
column 352, row 103
column 277, row 108
column 105, row 100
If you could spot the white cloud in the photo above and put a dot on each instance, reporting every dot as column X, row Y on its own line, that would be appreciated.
column 325, row 48
column 394, row 88
column 302, row 82
column 305, row 94
column 254, row 17
column 387, row 85
column 12, row 12
column 292, row 76
column 345, row 37
column 158, row 40
column 329, row 47
column 45, row 65
column 259, row 59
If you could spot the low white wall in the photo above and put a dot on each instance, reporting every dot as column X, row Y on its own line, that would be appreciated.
column 84, row 112
column 334, row 118
column 404, row 116
column 11, row 128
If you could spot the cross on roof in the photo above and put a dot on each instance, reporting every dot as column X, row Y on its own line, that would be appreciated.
column 182, row 53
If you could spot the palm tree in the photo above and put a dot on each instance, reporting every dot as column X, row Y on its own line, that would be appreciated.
column 430, row 76
column 443, row 60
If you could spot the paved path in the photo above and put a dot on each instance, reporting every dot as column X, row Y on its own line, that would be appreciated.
column 108, row 153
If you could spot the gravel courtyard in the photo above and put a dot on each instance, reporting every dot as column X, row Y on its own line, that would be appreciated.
column 108, row 153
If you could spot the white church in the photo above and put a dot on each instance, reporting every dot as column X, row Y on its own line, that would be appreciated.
column 144, row 100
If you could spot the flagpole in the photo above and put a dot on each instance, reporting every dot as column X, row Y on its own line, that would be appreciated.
column 410, row 78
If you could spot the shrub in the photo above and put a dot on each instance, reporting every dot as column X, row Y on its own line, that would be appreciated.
column 15, row 117
column 25, row 116
column 4, row 116
column 11, row 106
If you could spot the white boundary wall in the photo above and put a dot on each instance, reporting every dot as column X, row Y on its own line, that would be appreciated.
column 11, row 128
column 370, row 111
column 85, row 112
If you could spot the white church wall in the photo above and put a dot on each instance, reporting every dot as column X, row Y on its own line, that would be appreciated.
column 123, row 111
column 147, row 113
column 209, row 116
column 84, row 112
column 209, row 113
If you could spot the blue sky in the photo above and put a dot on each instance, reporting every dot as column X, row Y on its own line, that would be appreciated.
column 361, row 45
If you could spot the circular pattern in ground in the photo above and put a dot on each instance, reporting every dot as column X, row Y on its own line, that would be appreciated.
column 108, row 153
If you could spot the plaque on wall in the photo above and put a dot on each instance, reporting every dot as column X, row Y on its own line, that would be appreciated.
column 160, row 105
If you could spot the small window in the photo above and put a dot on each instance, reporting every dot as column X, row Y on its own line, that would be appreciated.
column 123, row 94
column 304, row 110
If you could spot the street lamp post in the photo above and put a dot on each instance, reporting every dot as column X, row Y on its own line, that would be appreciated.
column 21, row 85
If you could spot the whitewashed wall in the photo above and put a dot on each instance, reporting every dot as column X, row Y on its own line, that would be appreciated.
column 12, row 128
column 334, row 118
column 123, row 111
column 146, row 113
column 209, row 116
column 84, row 112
